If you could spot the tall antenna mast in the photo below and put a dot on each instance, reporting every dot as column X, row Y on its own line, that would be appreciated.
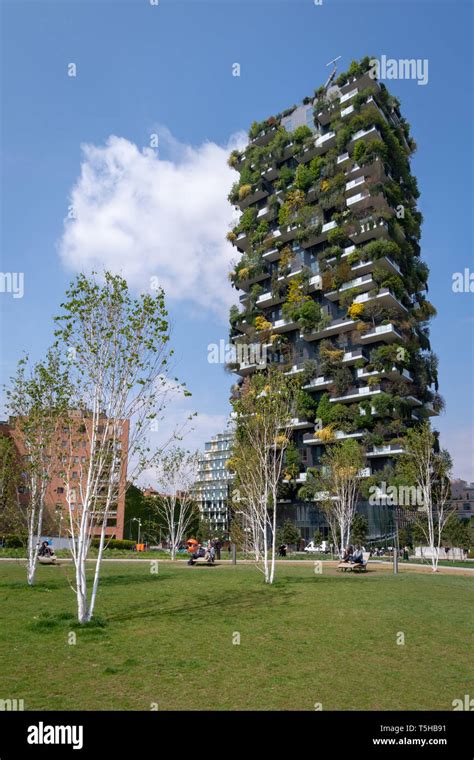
column 333, row 72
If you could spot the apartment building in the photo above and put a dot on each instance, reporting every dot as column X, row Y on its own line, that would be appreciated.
column 70, row 451
column 331, row 280
column 462, row 497
column 212, row 487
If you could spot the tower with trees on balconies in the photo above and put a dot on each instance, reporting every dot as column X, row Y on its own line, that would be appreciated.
column 333, row 286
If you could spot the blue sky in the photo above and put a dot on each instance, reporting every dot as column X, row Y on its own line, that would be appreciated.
column 167, row 69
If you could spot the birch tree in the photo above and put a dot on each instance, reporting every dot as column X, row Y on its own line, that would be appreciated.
column 263, row 415
column 176, row 507
column 37, row 401
column 335, row 485
column 429, row 470
column 117, row 347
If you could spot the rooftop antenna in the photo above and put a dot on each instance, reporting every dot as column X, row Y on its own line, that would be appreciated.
column 333, row 72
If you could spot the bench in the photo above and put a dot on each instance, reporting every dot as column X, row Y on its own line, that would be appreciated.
column 359, row 567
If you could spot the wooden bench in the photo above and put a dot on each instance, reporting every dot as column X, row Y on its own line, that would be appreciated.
column 359, row 567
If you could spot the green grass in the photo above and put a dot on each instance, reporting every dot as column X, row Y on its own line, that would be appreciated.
column 167, row 639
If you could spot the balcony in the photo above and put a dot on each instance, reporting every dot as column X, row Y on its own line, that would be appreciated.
column 297, row 424
column 337, row 326
column 248, row 368
column 386, row 333
column 351, row 357
column 343, row 158
column 284, row 325
column 360, row 284
column 355, row 183
column 324, row 142
column 313, row 239
column 318, row 383
column 265, row 136
column 270, row 173
column 356, row 395
column 393, row 372
column 348, row 95
column 370, row 229
column 272, row 255
column 365, row 267
column 253, row 197
column 326, row 115
column 384, row 297
column 347, row 111
column 365, row 200
column 390, row 449
column 311, row 439
column 295, row 370
column 265, row 213
column 243, row 240
column 365, row 134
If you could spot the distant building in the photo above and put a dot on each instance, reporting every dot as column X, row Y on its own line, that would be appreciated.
column 71, row 448
column 462, row 496
column 212, row 488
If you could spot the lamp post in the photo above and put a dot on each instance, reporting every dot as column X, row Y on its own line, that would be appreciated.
column 137, row 519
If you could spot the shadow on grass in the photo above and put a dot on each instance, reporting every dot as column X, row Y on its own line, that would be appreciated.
column 236, row 600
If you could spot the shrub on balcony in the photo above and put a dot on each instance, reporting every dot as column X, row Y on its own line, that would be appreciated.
column 305, row 406
column 301, row 134
column 326, row 434
column 244, row 190
column 303, row 177
column 233, row 196
column 292, row 466
column 234, row 315
column 231, row 236
column 309, row 315
column 262, row 324
column 383, row 404
column 355, row 311
column 377, row 249
column 234, row 158
column 338, row 237
column 260, row 235
column 288, row 210
column 247, row 221
column 342, row 380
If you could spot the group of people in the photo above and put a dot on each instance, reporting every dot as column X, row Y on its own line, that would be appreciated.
column 353, row 554
column 197, row 550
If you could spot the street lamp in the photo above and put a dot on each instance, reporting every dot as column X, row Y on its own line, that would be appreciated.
column 137, row 519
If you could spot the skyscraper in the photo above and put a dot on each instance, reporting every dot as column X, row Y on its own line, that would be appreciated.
column 333, row 285
column 212, row 486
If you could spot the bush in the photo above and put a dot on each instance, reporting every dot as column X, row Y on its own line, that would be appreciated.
column 14, row 541
column 114, row 543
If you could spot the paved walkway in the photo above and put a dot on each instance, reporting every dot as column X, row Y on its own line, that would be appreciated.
column 373, row 564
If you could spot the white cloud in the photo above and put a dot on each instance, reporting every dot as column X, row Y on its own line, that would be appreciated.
column 145, row 217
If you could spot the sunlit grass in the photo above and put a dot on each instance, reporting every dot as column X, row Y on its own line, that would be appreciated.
column 168, row 639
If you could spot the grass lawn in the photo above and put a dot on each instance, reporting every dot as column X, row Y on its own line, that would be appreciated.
column 167, row 639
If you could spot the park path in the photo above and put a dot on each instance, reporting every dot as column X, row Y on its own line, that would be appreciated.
column 374, row 564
